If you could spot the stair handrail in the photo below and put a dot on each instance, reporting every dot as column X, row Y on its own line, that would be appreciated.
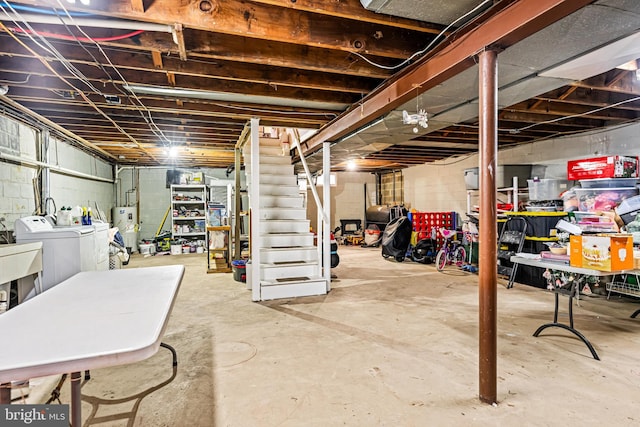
column 314, row 191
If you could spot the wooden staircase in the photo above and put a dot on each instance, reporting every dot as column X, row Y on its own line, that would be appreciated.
column 288, row 259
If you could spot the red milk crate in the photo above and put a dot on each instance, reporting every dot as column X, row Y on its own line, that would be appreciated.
column 425, row 222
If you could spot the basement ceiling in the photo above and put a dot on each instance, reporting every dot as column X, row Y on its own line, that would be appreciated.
column 130, row 79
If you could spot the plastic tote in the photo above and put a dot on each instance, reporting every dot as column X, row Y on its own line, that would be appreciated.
column 239, row 268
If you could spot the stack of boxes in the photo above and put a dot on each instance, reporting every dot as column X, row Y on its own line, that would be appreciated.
column 605, row 182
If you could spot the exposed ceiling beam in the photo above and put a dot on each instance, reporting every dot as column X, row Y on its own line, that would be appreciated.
column 504, row 29
column 261, row 21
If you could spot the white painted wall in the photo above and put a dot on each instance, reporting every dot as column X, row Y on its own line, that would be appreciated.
column 347, row 198
column 440, row 186
column 73, row 191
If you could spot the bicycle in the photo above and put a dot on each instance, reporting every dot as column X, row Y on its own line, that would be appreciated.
column 452, row 251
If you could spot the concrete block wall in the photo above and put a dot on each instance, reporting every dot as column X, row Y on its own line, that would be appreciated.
column 16, row 188
column 17, row 198
column 153, row 194
column 74, row 191
column 440, row 186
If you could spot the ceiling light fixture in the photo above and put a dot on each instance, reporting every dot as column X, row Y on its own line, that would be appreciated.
column 234, row 97
column 173, row 152
column 351, row 165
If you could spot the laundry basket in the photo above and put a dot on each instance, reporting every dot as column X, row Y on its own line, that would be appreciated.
column 118, row 255
column 115, row 263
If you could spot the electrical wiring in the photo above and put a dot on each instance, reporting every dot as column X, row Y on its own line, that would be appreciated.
column 259, row 110
column 420, row 52
column 81, row 93
column 80, row 39
column 586, row 113
column 74, row 71
column 13, row 82
column 23, row 8
column 158, row 132
column 51, row 49
column 149, row 120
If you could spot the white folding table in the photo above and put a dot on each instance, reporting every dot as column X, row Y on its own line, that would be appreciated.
column 92, row 320
column 572, row 293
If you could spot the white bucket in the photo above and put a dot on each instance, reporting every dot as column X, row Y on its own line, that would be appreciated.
column 176, row 249
column 146, row 248
column 186, row 249
column 200, row 250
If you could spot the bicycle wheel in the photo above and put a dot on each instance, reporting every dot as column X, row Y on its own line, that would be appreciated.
column 460, row 256
column 441, row 260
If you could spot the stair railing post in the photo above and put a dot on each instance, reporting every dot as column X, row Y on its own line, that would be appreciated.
column 326, row 207
column 314, row 190
column 319, row 235
column 254, row 202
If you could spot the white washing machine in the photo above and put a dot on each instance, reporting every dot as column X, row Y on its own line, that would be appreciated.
column 65, row 250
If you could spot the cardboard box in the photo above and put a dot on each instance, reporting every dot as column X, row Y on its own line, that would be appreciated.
column 603, row 167
column 605, row 252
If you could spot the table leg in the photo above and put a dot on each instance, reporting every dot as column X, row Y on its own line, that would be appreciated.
column 76, row 401
column 635, row 313
column 569, row 327
column 5, row 393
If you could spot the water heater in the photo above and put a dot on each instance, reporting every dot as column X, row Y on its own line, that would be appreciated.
column 126, row 219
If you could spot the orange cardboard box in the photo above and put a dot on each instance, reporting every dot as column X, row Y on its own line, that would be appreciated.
column 605, row 252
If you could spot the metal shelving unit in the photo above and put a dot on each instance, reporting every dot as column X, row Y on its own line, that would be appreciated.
column 188, row 212
column 513, row 195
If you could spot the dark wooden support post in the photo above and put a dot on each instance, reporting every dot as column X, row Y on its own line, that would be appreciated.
column 488, row 274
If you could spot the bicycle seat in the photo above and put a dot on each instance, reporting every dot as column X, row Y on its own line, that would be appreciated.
column 447, row 234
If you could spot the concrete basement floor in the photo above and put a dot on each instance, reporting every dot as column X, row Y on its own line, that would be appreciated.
column 393, row 344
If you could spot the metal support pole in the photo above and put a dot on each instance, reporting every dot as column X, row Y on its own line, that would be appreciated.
column 76, row 399
column 326, row 206
column 488, row 275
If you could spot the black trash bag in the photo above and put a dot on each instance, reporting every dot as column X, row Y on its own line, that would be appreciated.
column 424, row 251
column 396, row 238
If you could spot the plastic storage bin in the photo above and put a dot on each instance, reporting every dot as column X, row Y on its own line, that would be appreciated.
column 602, row 199
column 608, row 182
column 546, row 189
column 504, row 178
